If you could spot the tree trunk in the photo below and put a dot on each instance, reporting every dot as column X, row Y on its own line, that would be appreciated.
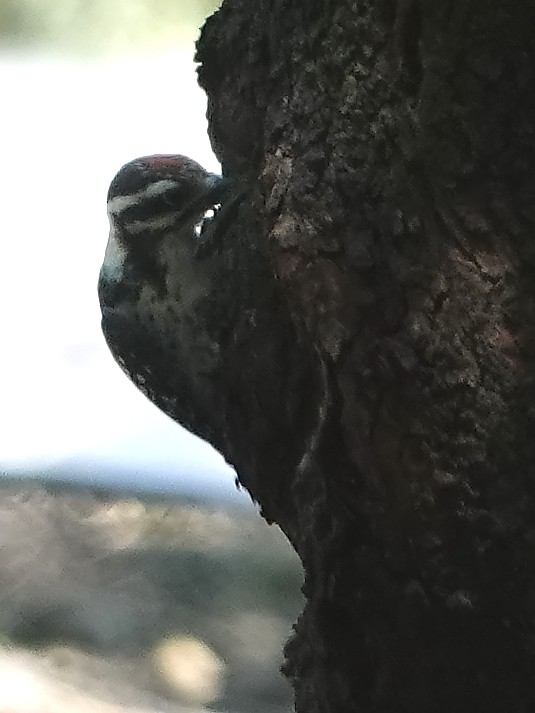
column 384, row 155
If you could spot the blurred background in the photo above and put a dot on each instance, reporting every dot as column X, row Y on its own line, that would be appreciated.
column 133, row 573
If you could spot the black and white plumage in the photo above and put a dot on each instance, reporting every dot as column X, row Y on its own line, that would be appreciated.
column 150, row 198
column 153, row 288
column 192, row 313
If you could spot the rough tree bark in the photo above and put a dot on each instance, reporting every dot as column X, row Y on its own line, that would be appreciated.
column 384, row 155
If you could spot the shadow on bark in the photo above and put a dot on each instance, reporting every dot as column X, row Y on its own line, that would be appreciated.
column 385, row 157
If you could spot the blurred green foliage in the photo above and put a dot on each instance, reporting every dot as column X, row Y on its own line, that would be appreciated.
column 96, row 26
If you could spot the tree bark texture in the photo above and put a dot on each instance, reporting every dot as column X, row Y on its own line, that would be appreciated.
column 384, row 155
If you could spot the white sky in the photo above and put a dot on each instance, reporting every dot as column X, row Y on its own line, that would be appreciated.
column 65, row 130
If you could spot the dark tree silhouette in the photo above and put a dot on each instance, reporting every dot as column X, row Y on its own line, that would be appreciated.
column 383, row 413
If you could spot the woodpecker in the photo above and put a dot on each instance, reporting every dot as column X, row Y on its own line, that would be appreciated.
column 193, row 314
column 155, row 287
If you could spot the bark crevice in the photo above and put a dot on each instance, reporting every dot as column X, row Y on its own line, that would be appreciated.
column 389, row 152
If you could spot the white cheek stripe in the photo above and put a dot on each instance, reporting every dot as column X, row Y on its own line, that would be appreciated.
column 120, row 203
column 114, row 259
column 151, row 224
